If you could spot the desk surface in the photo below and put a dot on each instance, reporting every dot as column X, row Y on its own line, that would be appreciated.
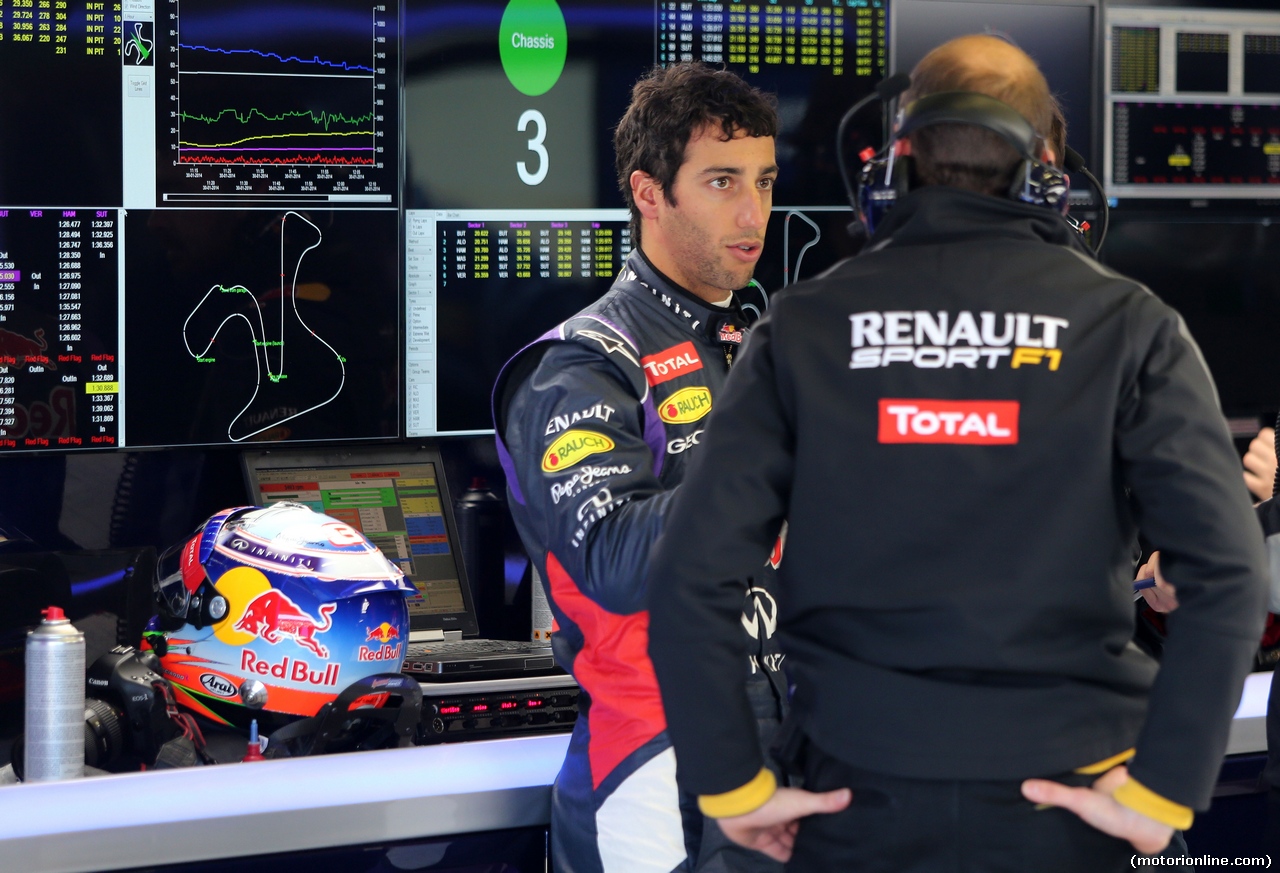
column 198, row 813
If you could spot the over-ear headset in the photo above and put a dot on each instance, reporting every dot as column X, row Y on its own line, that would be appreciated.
column 888, row 176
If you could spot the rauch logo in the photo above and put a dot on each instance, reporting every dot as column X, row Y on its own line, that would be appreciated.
column 572, row 448
column 685, row 406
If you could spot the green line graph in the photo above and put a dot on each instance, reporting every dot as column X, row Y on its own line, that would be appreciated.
column 322, row 118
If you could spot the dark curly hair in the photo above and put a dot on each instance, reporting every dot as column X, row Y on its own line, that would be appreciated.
column 667, row 106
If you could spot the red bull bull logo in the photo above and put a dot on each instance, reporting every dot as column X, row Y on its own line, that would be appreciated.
column 383, row 633
column 272, row 615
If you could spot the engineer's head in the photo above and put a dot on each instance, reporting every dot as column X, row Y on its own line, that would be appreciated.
column 970, row 157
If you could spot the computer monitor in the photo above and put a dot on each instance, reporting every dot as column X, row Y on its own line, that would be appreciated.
column 1061, row 35
column 482, row 284
column 481, row 132
column 398, row 498
column 198, row 223
column 1192, row 107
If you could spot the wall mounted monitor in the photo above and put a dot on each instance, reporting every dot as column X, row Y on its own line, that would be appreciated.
column 198, row 222
column 480, row 285
column 818, row 57
column 246, row 326
column 493, row 121
column 1061, row 35
column 1223, row 277
column 1192, row 107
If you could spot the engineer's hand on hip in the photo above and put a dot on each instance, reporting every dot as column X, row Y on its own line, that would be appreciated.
column 771, row 828
column 1098, row 808
column 1260, row 464
column 1163, row 597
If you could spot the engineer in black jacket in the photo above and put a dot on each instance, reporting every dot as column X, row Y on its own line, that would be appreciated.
column 597, row 422
column 950, row 422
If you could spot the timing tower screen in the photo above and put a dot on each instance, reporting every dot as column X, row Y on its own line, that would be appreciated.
column 1192, row 103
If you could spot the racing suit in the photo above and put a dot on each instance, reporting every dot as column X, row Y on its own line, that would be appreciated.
column 596, row 423
column 964, row 426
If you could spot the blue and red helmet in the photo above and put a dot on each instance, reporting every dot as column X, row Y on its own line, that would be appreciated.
column 275, row 610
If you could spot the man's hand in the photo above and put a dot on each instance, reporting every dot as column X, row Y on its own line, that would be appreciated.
column 1163, row 597
column 1260, row 464
column 771, row 829
column 1096, row 807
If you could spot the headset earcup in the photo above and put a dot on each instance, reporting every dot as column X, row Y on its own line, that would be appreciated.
column 870, row 180
column 876, row 196
column 1041, row 184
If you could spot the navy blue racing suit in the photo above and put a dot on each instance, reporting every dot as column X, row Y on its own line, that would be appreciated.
column 596, row 422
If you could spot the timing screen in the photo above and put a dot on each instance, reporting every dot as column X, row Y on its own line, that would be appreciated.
column 1193, row 103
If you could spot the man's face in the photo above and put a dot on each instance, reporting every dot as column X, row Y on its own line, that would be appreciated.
column 710, row 239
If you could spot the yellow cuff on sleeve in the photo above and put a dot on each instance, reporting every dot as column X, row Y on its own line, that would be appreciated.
column 740, row 801
column 1103, row 766
column 1140, row 798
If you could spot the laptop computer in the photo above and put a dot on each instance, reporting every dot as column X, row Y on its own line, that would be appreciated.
column 398, row 498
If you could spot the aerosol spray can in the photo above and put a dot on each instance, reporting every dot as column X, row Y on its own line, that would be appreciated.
column 54, row 737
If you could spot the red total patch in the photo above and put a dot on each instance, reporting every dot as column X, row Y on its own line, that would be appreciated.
column 965, row 422
column 669, row 363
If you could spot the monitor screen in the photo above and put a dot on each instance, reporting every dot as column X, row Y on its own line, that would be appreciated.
column 1224, row 280
column 483, row 132
column 1192, row 108
column 397, row 498
column 198, row 223
column 1060, row 36
column 514, row 218
column 482, row 284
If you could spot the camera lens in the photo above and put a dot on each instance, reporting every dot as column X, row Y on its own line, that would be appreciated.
column 103, row 734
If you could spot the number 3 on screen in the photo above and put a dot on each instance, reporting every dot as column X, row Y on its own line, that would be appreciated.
column 535, row 145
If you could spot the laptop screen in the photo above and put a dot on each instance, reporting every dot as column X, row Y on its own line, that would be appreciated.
column 397, row 497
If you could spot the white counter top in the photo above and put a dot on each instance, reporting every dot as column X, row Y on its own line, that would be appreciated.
column 198, row 813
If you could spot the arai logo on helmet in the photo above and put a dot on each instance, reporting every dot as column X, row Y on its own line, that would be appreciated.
column 217, row 685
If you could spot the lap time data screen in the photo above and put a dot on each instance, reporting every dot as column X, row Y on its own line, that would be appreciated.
column 482, row 284
column 1192, row 104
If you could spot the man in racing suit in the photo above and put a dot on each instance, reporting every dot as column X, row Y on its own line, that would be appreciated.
column 964, row 426
column 596, row 422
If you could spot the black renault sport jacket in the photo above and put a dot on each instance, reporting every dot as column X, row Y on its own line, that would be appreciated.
column 965, row 426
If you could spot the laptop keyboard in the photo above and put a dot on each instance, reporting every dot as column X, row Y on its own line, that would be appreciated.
column 489, row 646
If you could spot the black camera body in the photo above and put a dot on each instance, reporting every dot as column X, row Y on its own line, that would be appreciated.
column 125, row 718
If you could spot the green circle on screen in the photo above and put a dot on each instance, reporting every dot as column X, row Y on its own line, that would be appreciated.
column 532, row 42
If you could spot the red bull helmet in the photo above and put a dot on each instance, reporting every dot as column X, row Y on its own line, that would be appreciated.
column 275, row 610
